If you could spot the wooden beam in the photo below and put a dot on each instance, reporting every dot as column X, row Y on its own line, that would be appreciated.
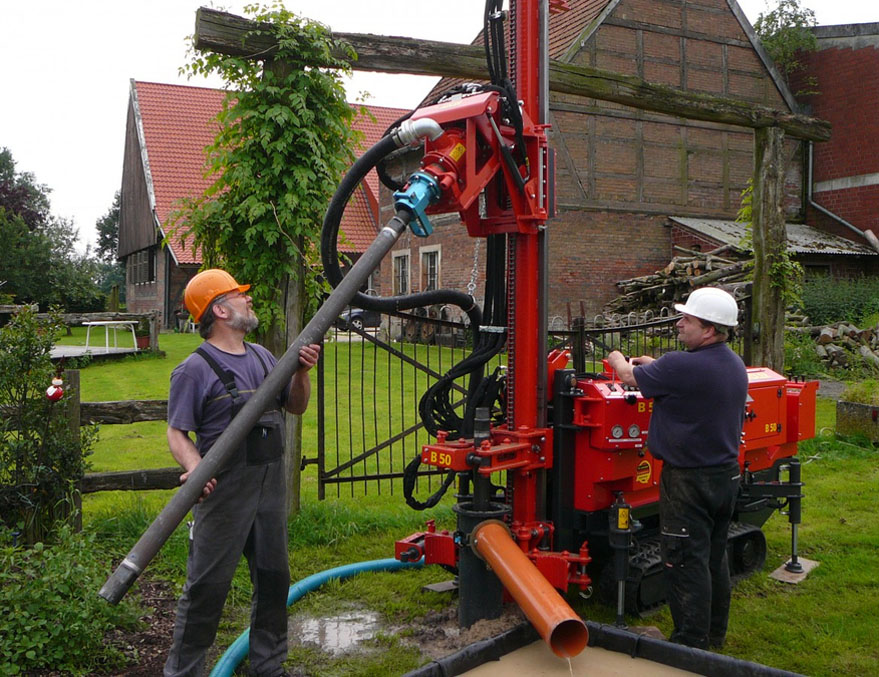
column 230, row 34
column 124, row 411
column 131, row 480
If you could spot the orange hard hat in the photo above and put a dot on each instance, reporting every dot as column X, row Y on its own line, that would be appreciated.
column 205, row 287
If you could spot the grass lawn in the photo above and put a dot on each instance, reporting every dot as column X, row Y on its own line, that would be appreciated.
column 824, row 626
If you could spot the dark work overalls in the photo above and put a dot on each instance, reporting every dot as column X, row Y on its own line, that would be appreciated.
column 696, row 507
column 246, row 513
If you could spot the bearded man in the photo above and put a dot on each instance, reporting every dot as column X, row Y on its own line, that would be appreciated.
column 243, row 509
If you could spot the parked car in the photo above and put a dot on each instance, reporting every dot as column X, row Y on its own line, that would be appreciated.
column 358, row 318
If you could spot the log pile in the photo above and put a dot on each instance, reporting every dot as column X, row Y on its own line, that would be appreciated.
column 843, row 344
column 682, row 275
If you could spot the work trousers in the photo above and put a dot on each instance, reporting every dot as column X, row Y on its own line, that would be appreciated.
column 245, row 514
column 695, row 508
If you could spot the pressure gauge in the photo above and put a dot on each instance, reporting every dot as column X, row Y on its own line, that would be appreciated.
column 616, row 432
column 634, row 431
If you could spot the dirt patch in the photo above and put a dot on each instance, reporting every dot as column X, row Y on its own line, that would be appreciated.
column 438, row 633
column 147, row 647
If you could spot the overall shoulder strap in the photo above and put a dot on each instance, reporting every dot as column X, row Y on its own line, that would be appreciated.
column 225, row 377
column 249, row 346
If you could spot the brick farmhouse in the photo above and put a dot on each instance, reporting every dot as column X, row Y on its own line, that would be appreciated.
column 630, row 184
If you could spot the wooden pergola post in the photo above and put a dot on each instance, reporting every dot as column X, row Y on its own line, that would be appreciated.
column 291, row 295
column 770, row 242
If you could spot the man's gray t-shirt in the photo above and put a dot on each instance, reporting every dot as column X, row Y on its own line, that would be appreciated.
column 198, row 401
column 698, row 405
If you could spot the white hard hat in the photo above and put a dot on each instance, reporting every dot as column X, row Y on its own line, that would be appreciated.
column 712, row 305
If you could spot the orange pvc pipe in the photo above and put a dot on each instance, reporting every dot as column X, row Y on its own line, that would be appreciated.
column 553, row 618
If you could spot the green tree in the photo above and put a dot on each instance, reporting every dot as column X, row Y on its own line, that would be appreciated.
column 20, row 194
column 786, row 32
column 284, row 140
column 108, row 231
column 110, row 271
column 38, row 260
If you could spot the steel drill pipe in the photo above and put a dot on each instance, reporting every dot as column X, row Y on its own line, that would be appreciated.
column 553, row 618
column 226, row 445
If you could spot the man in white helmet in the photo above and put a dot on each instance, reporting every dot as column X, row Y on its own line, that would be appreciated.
column 695, row 429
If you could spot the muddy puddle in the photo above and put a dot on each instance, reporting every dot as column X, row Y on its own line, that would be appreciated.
column 335, row 634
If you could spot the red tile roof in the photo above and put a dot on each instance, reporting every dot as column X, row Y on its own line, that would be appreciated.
column 179, row 123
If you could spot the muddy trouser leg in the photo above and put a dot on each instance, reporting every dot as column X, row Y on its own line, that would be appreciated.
column 222, row 524
column 266, row 552
column 727, row 489
column 695, row 510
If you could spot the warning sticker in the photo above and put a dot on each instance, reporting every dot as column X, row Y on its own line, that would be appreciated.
column 643, row 472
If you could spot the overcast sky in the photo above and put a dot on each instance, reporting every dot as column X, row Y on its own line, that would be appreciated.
column 65, row 67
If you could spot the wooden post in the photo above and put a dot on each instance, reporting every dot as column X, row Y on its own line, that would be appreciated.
column 226, row 33
column 154, row 331
column 770, row 241
column 73, row 402
column 277, row 339
column 294, row 308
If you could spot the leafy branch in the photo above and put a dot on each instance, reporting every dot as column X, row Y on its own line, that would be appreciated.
column 284, row 140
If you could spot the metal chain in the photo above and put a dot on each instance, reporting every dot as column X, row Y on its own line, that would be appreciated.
column 471, row 286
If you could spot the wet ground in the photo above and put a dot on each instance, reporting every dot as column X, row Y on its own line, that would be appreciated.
column 334, row 634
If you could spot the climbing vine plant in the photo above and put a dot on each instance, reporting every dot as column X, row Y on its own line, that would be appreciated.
column 284, row 139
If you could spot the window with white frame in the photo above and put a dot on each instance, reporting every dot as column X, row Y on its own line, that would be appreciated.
column 430, row 267
column 401, row 272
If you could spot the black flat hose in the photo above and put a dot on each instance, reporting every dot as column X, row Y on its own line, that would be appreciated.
column 231, row 439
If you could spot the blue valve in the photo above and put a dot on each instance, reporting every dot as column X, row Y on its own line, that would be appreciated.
column 420, row 192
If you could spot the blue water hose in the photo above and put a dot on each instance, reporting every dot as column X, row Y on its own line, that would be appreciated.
column 236, row 652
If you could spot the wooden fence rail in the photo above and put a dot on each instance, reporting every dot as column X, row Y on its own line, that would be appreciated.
column 119, row 412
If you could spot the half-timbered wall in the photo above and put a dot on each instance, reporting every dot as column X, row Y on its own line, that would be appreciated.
column 620, row 172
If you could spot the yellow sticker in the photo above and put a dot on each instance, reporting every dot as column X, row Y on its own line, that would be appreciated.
column 623, row 519
column 643, row 472
column 457, row 151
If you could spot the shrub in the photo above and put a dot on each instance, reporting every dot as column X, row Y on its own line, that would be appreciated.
column 826, row 300
column 862, row 392
column 800, row 358
column 52, row 615
column 41, row 457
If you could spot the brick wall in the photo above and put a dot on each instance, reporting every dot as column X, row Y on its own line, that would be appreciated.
column 847, row 95
column 621, row 172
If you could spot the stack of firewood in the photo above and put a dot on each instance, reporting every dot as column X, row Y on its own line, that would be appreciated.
column 682, row 275
column 843, row 344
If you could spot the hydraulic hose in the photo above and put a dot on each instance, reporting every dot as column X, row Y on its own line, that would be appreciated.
column 406, row 133
column 238, row 650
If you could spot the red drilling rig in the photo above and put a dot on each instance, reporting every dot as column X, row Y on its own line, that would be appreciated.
column 578, row 501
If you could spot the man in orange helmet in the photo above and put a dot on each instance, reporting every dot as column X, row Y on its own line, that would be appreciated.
column 243, row 509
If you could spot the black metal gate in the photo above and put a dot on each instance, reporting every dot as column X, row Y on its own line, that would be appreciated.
column 371, row 378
